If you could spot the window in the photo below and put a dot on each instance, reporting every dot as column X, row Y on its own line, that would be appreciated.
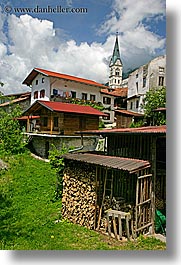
column 73, row 94
column 161, row 81
column 136, row 75
column 35, row 94
column 117, row 73
column 106, row 100
column 55, row 92
column 137, row 104
column 45, row 121
column 131, row 105
column 36, row 82
column 144, row 81
column 93, row 97
column 137, row 87
column 84, row 96
column 161, row 70
column 42, row 93
column 43, row 80
column 55, row 121
column 106, row 117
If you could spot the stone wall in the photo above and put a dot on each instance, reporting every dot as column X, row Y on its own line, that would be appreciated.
column 42, row 144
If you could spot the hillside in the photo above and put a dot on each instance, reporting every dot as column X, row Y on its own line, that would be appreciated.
column 31, row 217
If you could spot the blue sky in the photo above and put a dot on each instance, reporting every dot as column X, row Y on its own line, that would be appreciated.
column 79, row 44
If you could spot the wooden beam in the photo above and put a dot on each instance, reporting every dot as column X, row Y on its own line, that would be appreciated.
column 28, row 124
column 102, row 204
column 153, row 158
column 82, row 139
column 51, row 123
column 95, row 214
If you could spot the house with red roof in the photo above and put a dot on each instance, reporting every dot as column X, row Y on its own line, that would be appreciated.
column 61, row 118
column 52, row 86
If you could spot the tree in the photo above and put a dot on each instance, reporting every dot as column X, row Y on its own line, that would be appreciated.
column 11, row 137
column 155, row 98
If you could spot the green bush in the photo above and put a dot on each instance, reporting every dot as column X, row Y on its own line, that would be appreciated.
column 57, row 163
column 11, row 137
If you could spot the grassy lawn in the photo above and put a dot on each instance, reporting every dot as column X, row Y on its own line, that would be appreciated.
column 28, row 214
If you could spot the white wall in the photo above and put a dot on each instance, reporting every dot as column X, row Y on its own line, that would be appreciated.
column 38, row 87
column 68, row 86
column 151, row 72
column 51, row 83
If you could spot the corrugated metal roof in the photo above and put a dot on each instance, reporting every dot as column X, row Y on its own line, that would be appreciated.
column 36, row 71
column 147, row 129
column 127, row 164
column 65, row 107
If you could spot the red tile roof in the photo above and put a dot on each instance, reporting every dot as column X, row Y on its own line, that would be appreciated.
column 146, row 129
column 130, row 113
column 67, row 107
column 36, row 71
column 117, row 92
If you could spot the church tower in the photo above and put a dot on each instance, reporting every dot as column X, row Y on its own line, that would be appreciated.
column 115, row 67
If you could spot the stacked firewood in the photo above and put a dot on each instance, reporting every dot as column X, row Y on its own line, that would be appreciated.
column 79, row 197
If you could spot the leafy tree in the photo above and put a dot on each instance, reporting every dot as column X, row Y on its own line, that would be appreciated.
column 11, row 138
column 57, row 163
column 155, row 98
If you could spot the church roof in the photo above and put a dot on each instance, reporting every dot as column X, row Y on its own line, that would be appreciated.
column 116, row 53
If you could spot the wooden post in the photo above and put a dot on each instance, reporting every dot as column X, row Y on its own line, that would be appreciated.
column 51, row 124
column 127, row 227
column 120, row 226
column 95, row 214
column 153, row 158
column 108, row 224
column 102, row 204
column 28, row 124
column 114, row 226
column 136, row 208
column 82, row 139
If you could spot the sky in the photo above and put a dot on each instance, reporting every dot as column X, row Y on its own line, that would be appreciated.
column 77, row 43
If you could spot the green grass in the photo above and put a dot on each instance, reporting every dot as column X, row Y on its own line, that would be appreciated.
column 28, row 213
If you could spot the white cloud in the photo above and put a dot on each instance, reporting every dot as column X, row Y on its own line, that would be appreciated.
column 137, row 43
column 127, row 14
column 35, row 43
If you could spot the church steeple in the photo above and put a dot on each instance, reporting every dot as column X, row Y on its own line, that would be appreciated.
column 115, row 66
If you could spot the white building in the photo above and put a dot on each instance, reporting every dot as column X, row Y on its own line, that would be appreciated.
column 144, row 78
column 52, row 86
column 115, row 67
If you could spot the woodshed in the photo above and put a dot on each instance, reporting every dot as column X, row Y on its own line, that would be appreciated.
column 107, row 193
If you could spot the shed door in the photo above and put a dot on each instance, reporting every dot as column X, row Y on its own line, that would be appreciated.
column 144, row 205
